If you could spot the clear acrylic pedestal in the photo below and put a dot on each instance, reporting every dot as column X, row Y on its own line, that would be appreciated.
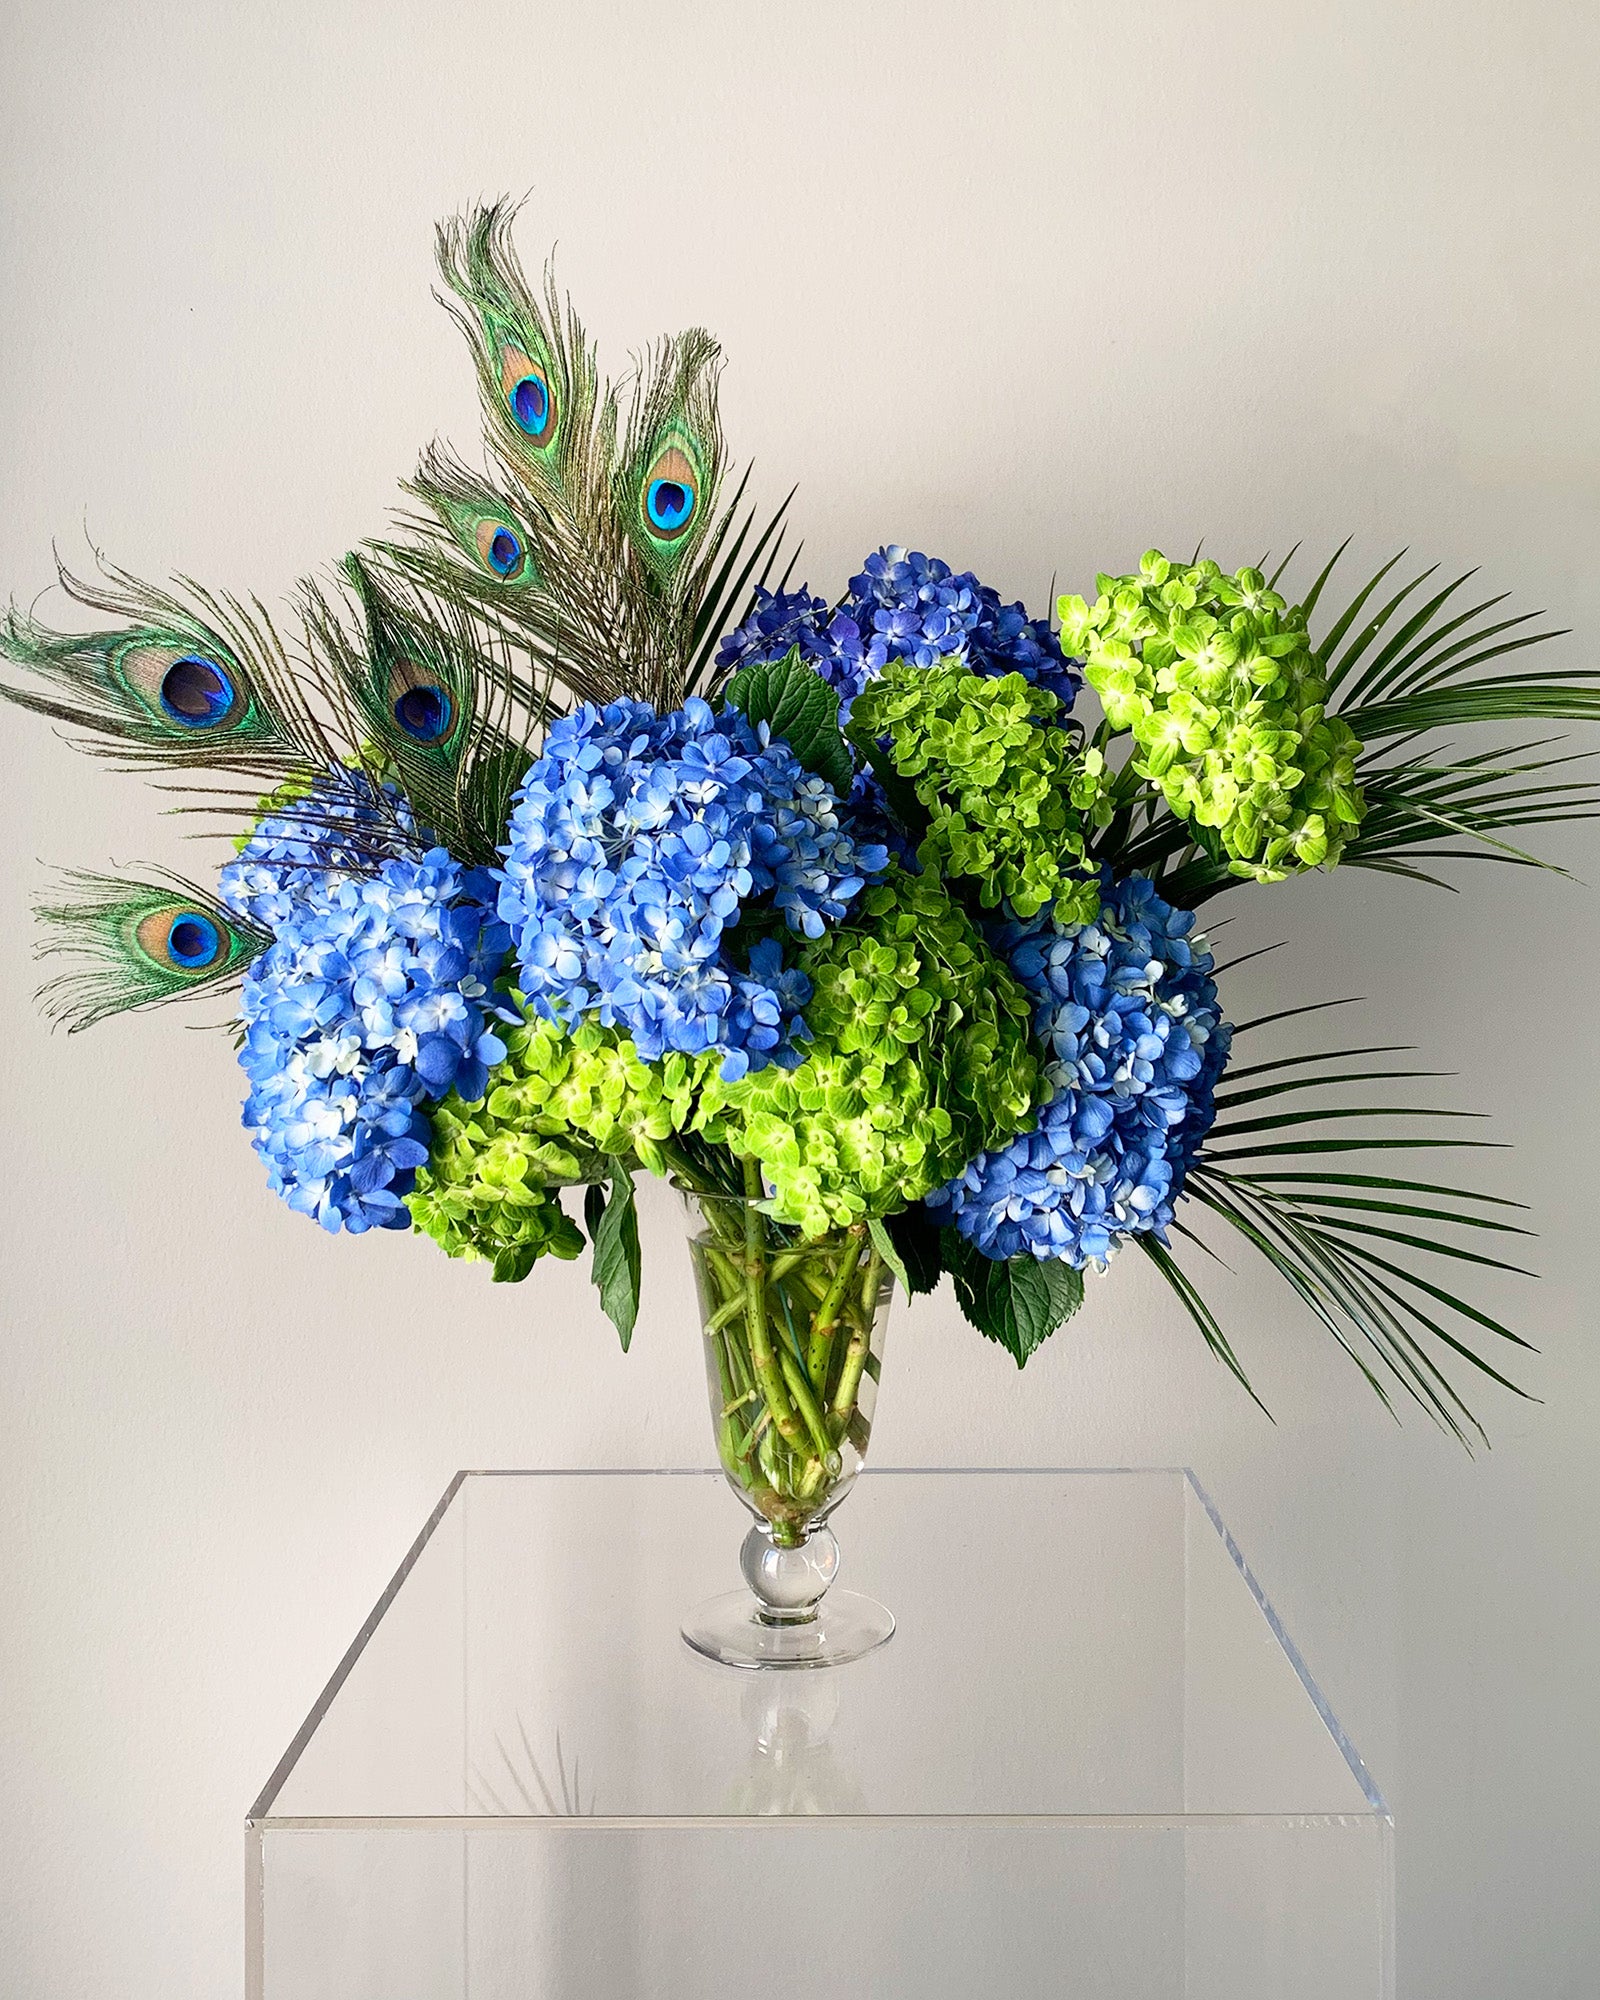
column 1089, row 1763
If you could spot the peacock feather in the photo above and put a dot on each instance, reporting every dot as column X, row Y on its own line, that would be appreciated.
column 413, row 680
column 432, row 702
column 612, row 562
column 138, row 944
column 536, row 367
column 185, row 686
column 489, row 528
column 671, row 461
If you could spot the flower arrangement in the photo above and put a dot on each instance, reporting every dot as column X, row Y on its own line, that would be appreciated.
column 585, row 847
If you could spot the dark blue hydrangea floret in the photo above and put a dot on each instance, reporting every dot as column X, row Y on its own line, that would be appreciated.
column 1128, row 1011
column 1006, row 640
column 374, row 999
column 781, row 620
column 903, row 606
column 637, row 843
column 908, row 606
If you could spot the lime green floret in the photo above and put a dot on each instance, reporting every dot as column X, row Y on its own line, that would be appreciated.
column 556, row 1107
column 1215, row 677
column 920, row 1058
column 1009, row 798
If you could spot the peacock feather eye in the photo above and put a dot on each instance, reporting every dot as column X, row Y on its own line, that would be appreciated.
column 421, row 707
column 527, row 393
column 196, row 692
column 501, row 548
column 670, row 495
column 137, row 944
column 191, row 689
column 183, row 940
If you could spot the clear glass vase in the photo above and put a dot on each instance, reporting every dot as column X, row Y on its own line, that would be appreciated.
column 793, row 1344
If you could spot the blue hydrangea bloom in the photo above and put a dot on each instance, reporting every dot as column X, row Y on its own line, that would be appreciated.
column 374, row 998
column 903, row 606
column 637, row 843
column 1128, row 1012
column 344, row 823
column 782, row 619
column 908, row 606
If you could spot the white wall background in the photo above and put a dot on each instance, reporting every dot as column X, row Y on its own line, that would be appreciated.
column 1030, row 286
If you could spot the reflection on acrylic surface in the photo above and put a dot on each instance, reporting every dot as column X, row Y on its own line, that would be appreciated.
column 792, row 1768
column 524, row 1787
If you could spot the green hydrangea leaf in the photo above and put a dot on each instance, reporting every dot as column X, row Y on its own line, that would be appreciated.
column 615, row 1266
column 1018, row 1302
column 797, row 704
column 886, row 1248
column 918, row 1242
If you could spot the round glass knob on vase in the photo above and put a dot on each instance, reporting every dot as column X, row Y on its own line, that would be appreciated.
column 793, row 1344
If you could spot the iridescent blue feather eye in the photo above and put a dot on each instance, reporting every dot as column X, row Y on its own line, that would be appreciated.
column 424, row 712
column 670, row 499
column 193, row 940
column 187, row 940
column 530, row 405
column 505, row 552
column 525, row 384
column 670, row 503
column 196, row 692
column 501, row 549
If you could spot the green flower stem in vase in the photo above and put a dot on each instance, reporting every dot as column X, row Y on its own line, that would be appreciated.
column 793, row 1336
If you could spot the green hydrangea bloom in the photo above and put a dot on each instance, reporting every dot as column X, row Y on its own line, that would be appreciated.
column 480, row 1197
column 1215, row 677
column 1008, row 800
column 920, row 1058
column 556, row 1108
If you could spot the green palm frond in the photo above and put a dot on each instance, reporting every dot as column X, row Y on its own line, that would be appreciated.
column 1197, row 1308
column 1336, row 1237
column 1424, row 651
column 1492, row 698
column 1382, row 1328
column 1423, row 662
column 1413, row 806
column 734, row 573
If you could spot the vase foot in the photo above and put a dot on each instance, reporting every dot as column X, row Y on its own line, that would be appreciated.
column 730, row 1629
